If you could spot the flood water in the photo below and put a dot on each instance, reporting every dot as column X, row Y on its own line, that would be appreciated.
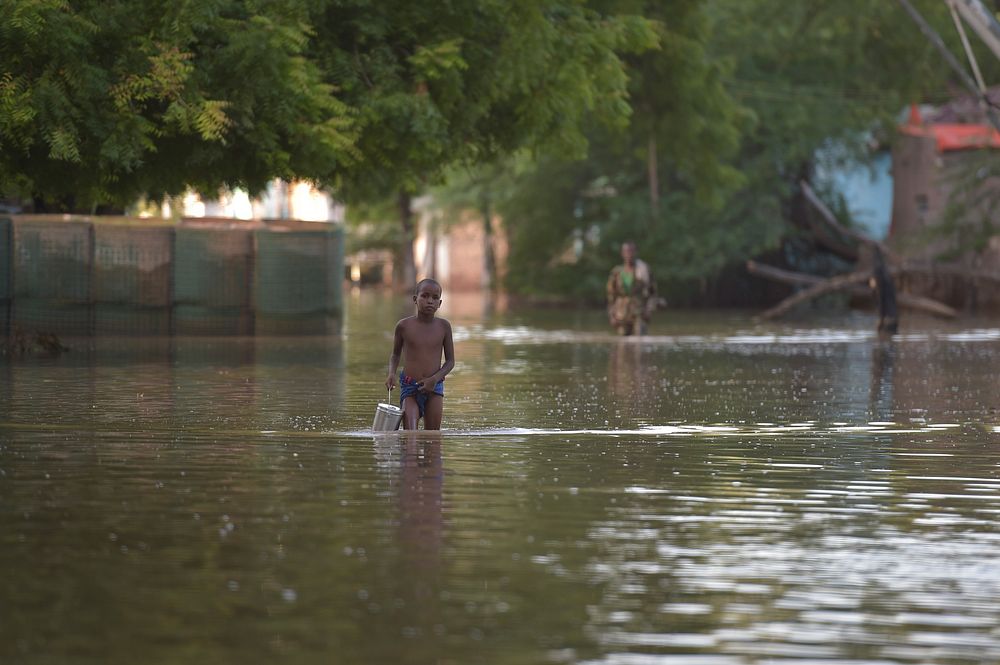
column 720, row 492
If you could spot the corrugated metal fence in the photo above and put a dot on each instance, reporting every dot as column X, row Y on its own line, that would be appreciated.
column 82, row 276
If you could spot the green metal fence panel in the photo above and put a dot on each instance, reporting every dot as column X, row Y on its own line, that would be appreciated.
column 51, row 276
column 213, row 267
column 132, row 265
column 82, row 275
column 213, row 272
column 6, row 257
column 198, row 320
column 6, row 270
column 52, row 316
column 132, row 320
column 335, row 272
column 292, row 273
column 52, row 260
column 133, row 286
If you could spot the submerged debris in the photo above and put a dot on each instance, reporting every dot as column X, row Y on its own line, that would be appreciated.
column 38, row 342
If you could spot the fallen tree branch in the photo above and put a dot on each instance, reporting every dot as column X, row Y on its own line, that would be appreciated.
column 827, row 234
column 781, row 275
column 838, row 283
column 831, row 221
column 924, row 304
column 908, row 300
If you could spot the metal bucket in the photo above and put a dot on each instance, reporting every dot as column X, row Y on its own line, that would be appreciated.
column 387, row 418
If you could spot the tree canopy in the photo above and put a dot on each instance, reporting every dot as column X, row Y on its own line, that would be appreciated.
column 437, row 85
column 685, row 125
column 465, row 81
column 741, row 101
column 105, row 100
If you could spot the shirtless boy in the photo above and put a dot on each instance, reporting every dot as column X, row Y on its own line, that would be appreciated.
column 421, row 339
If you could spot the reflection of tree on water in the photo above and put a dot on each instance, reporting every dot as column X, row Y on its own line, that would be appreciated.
column 880, row 393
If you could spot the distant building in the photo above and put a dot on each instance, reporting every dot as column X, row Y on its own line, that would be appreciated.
column 936, row 152
column 455, row 254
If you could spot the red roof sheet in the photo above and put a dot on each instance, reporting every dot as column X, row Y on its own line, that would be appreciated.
column 956, row 136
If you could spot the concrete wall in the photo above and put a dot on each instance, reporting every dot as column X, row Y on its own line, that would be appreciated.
column 923, row 180
column 917, row 198
column 80, row 275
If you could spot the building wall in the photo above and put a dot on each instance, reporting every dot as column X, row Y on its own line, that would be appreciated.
column 917, row 198
column 466, row 254
column 923, row 181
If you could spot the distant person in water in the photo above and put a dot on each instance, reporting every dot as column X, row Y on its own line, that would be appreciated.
column 631, row 293
column 421, row 340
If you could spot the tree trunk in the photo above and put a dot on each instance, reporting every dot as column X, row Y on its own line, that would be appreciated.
column 834, row 228
column 885, row 296
column 407, row 275
column 652, row 173
column 489, row 256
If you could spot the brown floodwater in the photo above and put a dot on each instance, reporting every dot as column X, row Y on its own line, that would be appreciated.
column 718, row 493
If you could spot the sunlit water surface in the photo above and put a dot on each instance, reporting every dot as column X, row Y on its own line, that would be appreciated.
column 719, row 492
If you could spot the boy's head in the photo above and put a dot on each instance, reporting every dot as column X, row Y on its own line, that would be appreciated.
column 427, row 282
column 427, row 296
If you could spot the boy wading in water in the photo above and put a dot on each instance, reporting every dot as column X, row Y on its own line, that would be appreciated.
column 421, row 339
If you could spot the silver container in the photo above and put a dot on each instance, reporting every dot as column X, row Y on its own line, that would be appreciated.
column 387, row 418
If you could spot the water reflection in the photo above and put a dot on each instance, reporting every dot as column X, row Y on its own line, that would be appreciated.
column 829, row 559
column 881, row 406
column 238, row 384
column 712, row 493
column 624, row 371
column 413, row 471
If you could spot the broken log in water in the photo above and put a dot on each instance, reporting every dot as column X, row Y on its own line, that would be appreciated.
column 854, row 285
column 867, row 252
column 821, row 287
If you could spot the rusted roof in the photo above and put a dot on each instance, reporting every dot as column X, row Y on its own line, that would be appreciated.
column 951, row 136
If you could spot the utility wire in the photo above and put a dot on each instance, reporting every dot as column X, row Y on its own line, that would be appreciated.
column 967, row 80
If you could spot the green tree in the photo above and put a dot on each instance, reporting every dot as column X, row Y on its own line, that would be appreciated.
column 661, row 180
column 102, row 101
column 738, row 104
column 827, row 82
column 442, row 84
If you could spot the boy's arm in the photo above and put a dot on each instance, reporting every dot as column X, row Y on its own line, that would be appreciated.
column 397, row 351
